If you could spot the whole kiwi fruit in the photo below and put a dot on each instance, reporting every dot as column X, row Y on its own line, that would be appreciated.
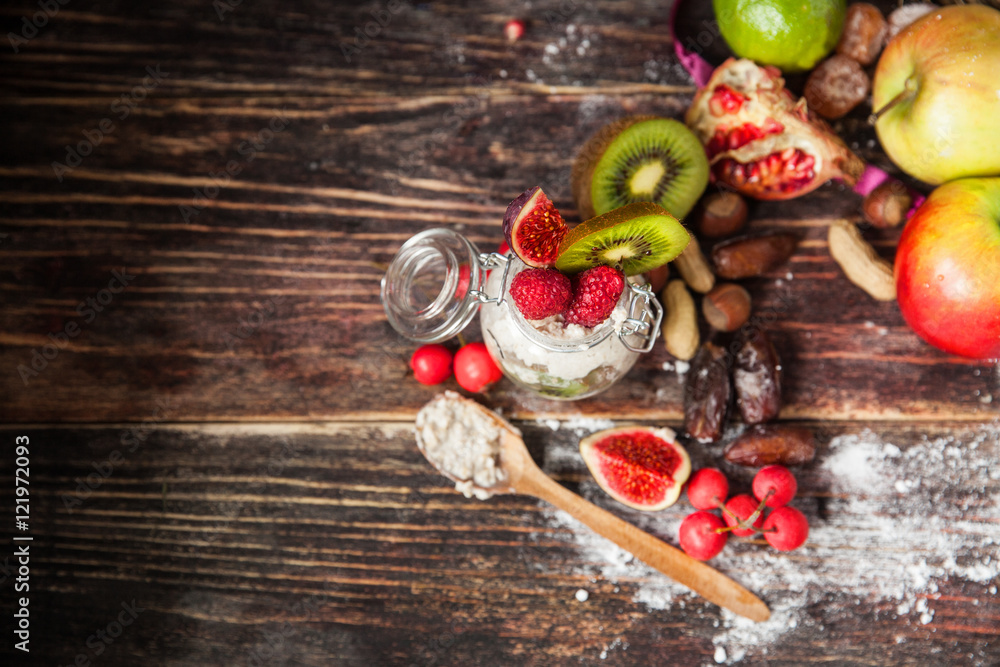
column 636, row 159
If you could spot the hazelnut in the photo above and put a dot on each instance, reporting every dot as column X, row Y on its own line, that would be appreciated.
column 727, row 307
column 723, row 214
column 864, row 33
column 887, row 205
column 658, row 278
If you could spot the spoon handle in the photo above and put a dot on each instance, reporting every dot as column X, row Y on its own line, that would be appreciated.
column 699, row 577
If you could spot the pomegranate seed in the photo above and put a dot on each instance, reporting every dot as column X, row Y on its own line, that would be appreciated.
column 725, row 100
column 772, row 126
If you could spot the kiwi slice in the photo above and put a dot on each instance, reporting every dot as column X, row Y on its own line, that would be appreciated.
column 635, row 238
column 640, row 158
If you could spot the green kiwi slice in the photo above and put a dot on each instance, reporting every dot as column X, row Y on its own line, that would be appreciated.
column 635, row 238
column 640, row 158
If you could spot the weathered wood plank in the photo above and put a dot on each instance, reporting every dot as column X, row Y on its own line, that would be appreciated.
column 296, row 241
column 342, row 535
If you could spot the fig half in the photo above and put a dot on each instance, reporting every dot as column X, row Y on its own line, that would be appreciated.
column 534, row 228
column 644, row 468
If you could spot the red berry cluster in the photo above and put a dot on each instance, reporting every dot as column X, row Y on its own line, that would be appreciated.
column 703, row 534
column 474, row 368
column 588, row 299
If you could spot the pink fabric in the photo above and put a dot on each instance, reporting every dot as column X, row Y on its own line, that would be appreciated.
column 697, row 67
column 874, row 177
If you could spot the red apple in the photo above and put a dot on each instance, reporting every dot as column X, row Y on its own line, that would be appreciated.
column 948, row 268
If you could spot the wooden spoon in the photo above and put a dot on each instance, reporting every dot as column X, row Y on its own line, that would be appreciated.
column 525, row 477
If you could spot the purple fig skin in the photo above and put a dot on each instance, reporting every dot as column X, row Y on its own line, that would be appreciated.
column 514, row 210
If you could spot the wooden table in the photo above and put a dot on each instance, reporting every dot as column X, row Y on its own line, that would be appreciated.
column 220, row 451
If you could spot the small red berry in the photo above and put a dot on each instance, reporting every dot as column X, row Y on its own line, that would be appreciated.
column 475, row 369
column 595, row 293
column 540, row 293
column 513, row 30
column 707, row 488
column 786, row 529
column 431, row 364
column 778, row 480
column 742, row 506
column 464, row 272
column 698, row 536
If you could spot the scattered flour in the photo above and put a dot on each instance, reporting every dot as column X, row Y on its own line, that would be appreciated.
column 682, row 367
column 889, row 535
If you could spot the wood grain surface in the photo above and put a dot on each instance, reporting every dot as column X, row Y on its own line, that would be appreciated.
column 262, row 404
column 224, row 533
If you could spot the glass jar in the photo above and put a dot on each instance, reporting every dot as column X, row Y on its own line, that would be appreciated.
column 426, row 299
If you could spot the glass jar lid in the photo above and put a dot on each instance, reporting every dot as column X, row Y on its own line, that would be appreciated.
column 429, row 290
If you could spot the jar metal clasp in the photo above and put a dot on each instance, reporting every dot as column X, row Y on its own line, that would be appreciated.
column 644, row 317
column 493, row 260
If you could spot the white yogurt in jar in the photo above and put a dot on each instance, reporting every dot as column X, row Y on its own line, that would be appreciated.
column 557, row 360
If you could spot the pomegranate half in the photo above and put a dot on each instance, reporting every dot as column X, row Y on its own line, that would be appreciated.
column 763, row 142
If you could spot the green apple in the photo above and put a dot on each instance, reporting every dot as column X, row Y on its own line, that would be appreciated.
column 937, row 95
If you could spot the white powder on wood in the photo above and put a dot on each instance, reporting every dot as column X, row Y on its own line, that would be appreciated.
column 891, row 533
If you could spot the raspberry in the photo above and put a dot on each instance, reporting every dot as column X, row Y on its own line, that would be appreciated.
column 595, row 293
column 540, row 293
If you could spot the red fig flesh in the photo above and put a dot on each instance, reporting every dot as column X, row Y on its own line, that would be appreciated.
column 644, row 468
column 534, row 228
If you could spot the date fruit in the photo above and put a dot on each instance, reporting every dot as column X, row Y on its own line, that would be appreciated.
column 707, row 392
column 770, row 444
column 750, row 256
column 757, row 379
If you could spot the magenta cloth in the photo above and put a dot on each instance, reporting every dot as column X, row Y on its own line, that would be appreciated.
column 697, row 67
column 874, row 177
